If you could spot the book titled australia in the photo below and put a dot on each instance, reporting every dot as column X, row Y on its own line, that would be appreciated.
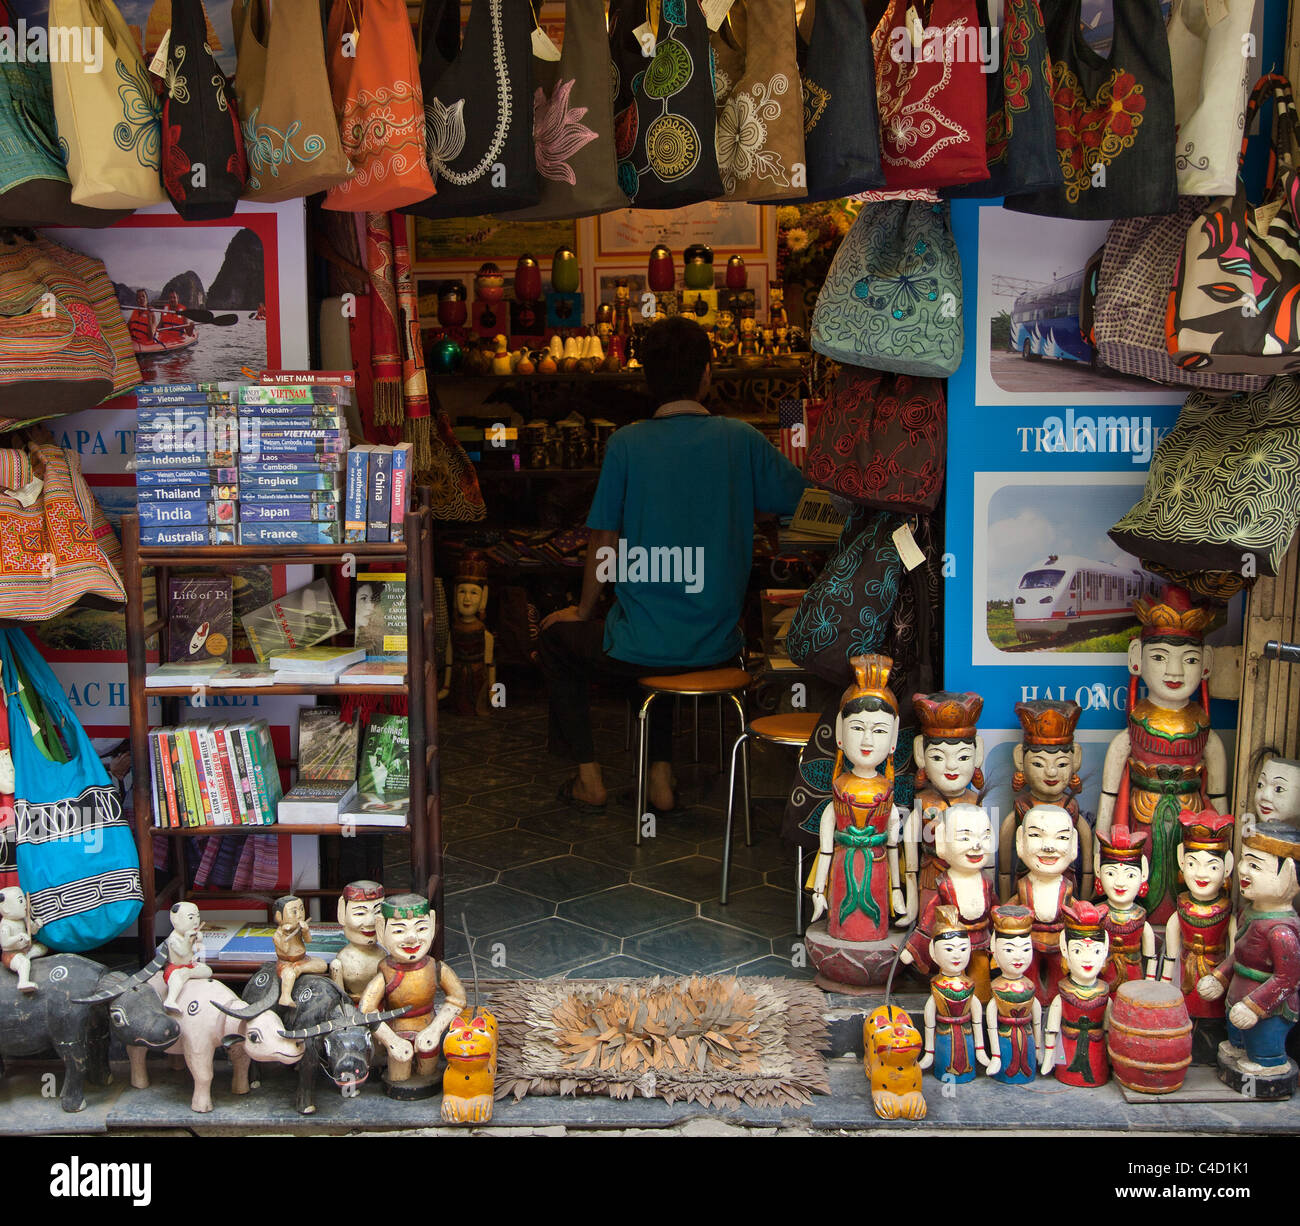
column 202, row 619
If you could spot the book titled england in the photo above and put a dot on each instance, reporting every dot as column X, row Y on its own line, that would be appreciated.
column 358, row 493
column 379, row 506
column 401, row 498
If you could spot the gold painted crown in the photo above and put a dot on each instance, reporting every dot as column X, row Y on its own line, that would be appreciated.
column 1172, row 614
column 1120, row 845
column 948, row 715
column 947, row 922
column 473, row 568
column 1047, row 722
column 1275, row 838
column 1013, row 920
column 870, row 679
column 1084, row 921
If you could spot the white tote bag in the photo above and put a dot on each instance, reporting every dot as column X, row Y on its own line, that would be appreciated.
column 109, row 121
column 1208, row 45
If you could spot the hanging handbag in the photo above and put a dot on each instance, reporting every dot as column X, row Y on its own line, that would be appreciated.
column 77, row 858
column 759, row 133
column 1138, row 260
column 378, row 106
column 665, row 118
column 1114, row 117
column 478, row 101
column 1020, row 139
column 931, row 93
column 109, row 122
column 1212, row 79
column 1223, row 490
column 291, row 138
column 881, row 440
column 1235, row 302
column 892, row 297
column 573, row 122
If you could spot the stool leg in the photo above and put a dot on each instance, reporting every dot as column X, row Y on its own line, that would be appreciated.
column 642, row 762
column 720, row 734
column 731, row 812
column 627, row 724
column 695, row 728
column 798, row 890
column 743, row 741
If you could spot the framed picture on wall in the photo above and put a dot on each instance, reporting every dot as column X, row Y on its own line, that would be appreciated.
column 462, row 240
column 726, row 227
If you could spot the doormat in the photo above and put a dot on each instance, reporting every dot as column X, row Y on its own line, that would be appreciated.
column 720, row 1041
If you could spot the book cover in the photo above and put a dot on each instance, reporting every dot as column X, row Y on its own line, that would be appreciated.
column 270, row 764
column 201, row 619
column 147, row 478
column 327, row 745
column 184, row 422
column 184, row 672
column 192, row 534
column 317, row 532
column 308, row 378
column 314, row 802
column 261, row 797
column 375, row 672
column 371, row 809
column 380, row 504
column 288, row 413
column 159, row 514
column 170, row 461
column 254, row 512
column 253, row 481
column 222, row 811
column 243, row 774
column 381, row 614
column 305, row 394
column 315, row 659
column 401, row 496
column 386, row 758
column 301, row 618
column 177, row 493
column 203, row 784
column 358, row 493
column 229, row 767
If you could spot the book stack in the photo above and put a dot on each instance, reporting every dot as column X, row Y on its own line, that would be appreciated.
column 327, row 767
column 219, row 774
column 380, row 630
column 378, row 493
column 313, row 665
column 384, row 785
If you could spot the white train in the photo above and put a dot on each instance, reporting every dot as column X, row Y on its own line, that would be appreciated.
column 1061, row 592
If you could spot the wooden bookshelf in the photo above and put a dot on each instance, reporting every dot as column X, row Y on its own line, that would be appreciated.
column 424, row 821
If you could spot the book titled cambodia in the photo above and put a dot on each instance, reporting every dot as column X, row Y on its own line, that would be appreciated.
column 386, row 758
column 381, row 614
column 297, row 619
column 327, row 745
column 202, row 616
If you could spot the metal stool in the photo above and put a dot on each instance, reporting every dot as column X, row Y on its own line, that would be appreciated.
column 796, row 730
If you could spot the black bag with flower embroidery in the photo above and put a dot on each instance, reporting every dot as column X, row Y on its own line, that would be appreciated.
column 203, row 164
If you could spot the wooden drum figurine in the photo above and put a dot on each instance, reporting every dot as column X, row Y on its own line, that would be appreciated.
column 1149, row 1039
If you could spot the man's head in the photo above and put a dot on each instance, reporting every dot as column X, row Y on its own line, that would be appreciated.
column 675, row 354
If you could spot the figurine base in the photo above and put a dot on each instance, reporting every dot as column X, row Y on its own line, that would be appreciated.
column 1269, row 1086
column 417, row 1086
column 851, row 967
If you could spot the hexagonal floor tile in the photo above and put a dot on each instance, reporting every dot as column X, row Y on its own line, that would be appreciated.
column 469, row 822
column 521, row 801
column 626, row 910
column 763, row 855
column 554, row 946
column 490, row 775
column 564, row 877
column 696, row 945
column 465, row 970
column 692, row 825
column 695, row 878
column 620, row 850
column 490, row 909
column 777, row 968
column 574, row 827
column 764, row 910
column 463, row 875
column 618, row 967
column 509, row 849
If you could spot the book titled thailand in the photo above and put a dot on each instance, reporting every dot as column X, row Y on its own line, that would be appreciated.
column 386, row 758
column 381, row 614
column 301, row 618
column 327, row 745
column 202, row 617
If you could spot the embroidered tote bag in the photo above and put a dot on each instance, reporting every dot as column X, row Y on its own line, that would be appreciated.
column 291, row 138
column 931, row 93
column 1224, row 484
column 892, row 297
column 1020, row 139
column 109, row 122
column 881, row 440
column 77, row 859
column 378, row 106
column 1212, row 80
column 203, row 164
column 478, row 103
column 573, row 122
column 1235, row 302
column 1114, row 116
column 664, row 112
column 759, row 134
column 1138, row 261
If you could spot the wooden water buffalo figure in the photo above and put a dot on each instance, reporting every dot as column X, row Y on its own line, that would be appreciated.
column 76, row 1005
column 335, row 1034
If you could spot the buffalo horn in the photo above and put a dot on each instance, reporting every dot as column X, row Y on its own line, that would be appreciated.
column 138, row 977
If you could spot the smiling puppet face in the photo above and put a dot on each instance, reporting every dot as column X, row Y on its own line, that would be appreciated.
column 949, row 765
column 1085, row 957
column 1047, row 841
column 963, row 838
column 1277, row 791
column 1172, row 672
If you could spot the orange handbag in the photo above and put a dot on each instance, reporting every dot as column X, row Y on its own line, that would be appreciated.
column 375, row 84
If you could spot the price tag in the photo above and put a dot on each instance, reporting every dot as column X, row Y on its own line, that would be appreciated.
column 715, row 12
column 915, row 28
column 30, row 492
column 543, row 47
column 908, row 552
column 646, row 37
column 158, row 65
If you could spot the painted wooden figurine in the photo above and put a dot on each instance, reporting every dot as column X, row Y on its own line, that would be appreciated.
column 1015, row 1018
column 948, row 754
column 17, row 948
column 963, row 840
column 184, row 946
column 1201, row 932
column 954, row 1021
column 1122, row 868
column 891, row 1053
column 1277, row 796
column 357, row 963
column 470, row 1048
column 292, row 933
column 1262, row 972
column 1047, row 844
column 470, row 671
column 1168, row 758
column 408, row 975
column 1047, row 763
column 1081, row 1010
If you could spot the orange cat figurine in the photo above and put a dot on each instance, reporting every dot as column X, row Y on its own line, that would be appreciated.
column 892, row 1046
column 470, row 1076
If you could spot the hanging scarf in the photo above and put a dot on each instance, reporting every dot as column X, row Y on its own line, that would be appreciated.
column 385, row 337
column 415, row 386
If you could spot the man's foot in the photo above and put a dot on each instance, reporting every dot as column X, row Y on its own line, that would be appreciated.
column 583, row 799
column 660, row 787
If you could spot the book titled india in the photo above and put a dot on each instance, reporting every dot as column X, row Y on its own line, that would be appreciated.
column 201, row 619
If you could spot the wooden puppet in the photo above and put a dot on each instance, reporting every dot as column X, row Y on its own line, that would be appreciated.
column 1122, row 868
column 292, row 933
column 1015, row 1017
column 1081, row 1010
column 948, row 754
column 1277, row 795
column 184, row 946
column 357, row 963
column 470, row 672
column 891, row 1051
column 469, row 1080
column 954, row 1022
column 1047, row 762
column 1201, row 932
column 1047, row 844
column 1168, row 758
column 17, row 947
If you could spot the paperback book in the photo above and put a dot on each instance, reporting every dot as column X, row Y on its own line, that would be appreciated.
column 305, row 803
column 298, row 619
column 381, row 614
column 327, row 745
column 201, row 619
column 386, row 758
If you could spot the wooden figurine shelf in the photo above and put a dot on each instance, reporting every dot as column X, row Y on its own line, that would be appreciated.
column 423, row 827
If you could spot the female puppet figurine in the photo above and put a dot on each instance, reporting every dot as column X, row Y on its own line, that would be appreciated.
column 1122, row 869
column 1047, row 844
column 1201, row 932
column 1015, row 1017
column 857, row 876
column 1277, row 796
column 954, row 1024
column 1167, row 759
column 469, row 671
column 948, row 753
column 1081, row 1010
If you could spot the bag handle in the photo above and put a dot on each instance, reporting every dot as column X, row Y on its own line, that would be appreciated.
column 1276, row 88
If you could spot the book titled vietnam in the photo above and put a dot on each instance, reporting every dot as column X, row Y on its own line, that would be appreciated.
column 381, row 614
column 201, row 619
column 386, row 758
column 327, row 745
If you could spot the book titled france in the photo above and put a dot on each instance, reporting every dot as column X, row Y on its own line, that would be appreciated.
column 316, row 533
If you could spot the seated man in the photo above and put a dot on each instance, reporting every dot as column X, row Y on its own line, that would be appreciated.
column 672, row 525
